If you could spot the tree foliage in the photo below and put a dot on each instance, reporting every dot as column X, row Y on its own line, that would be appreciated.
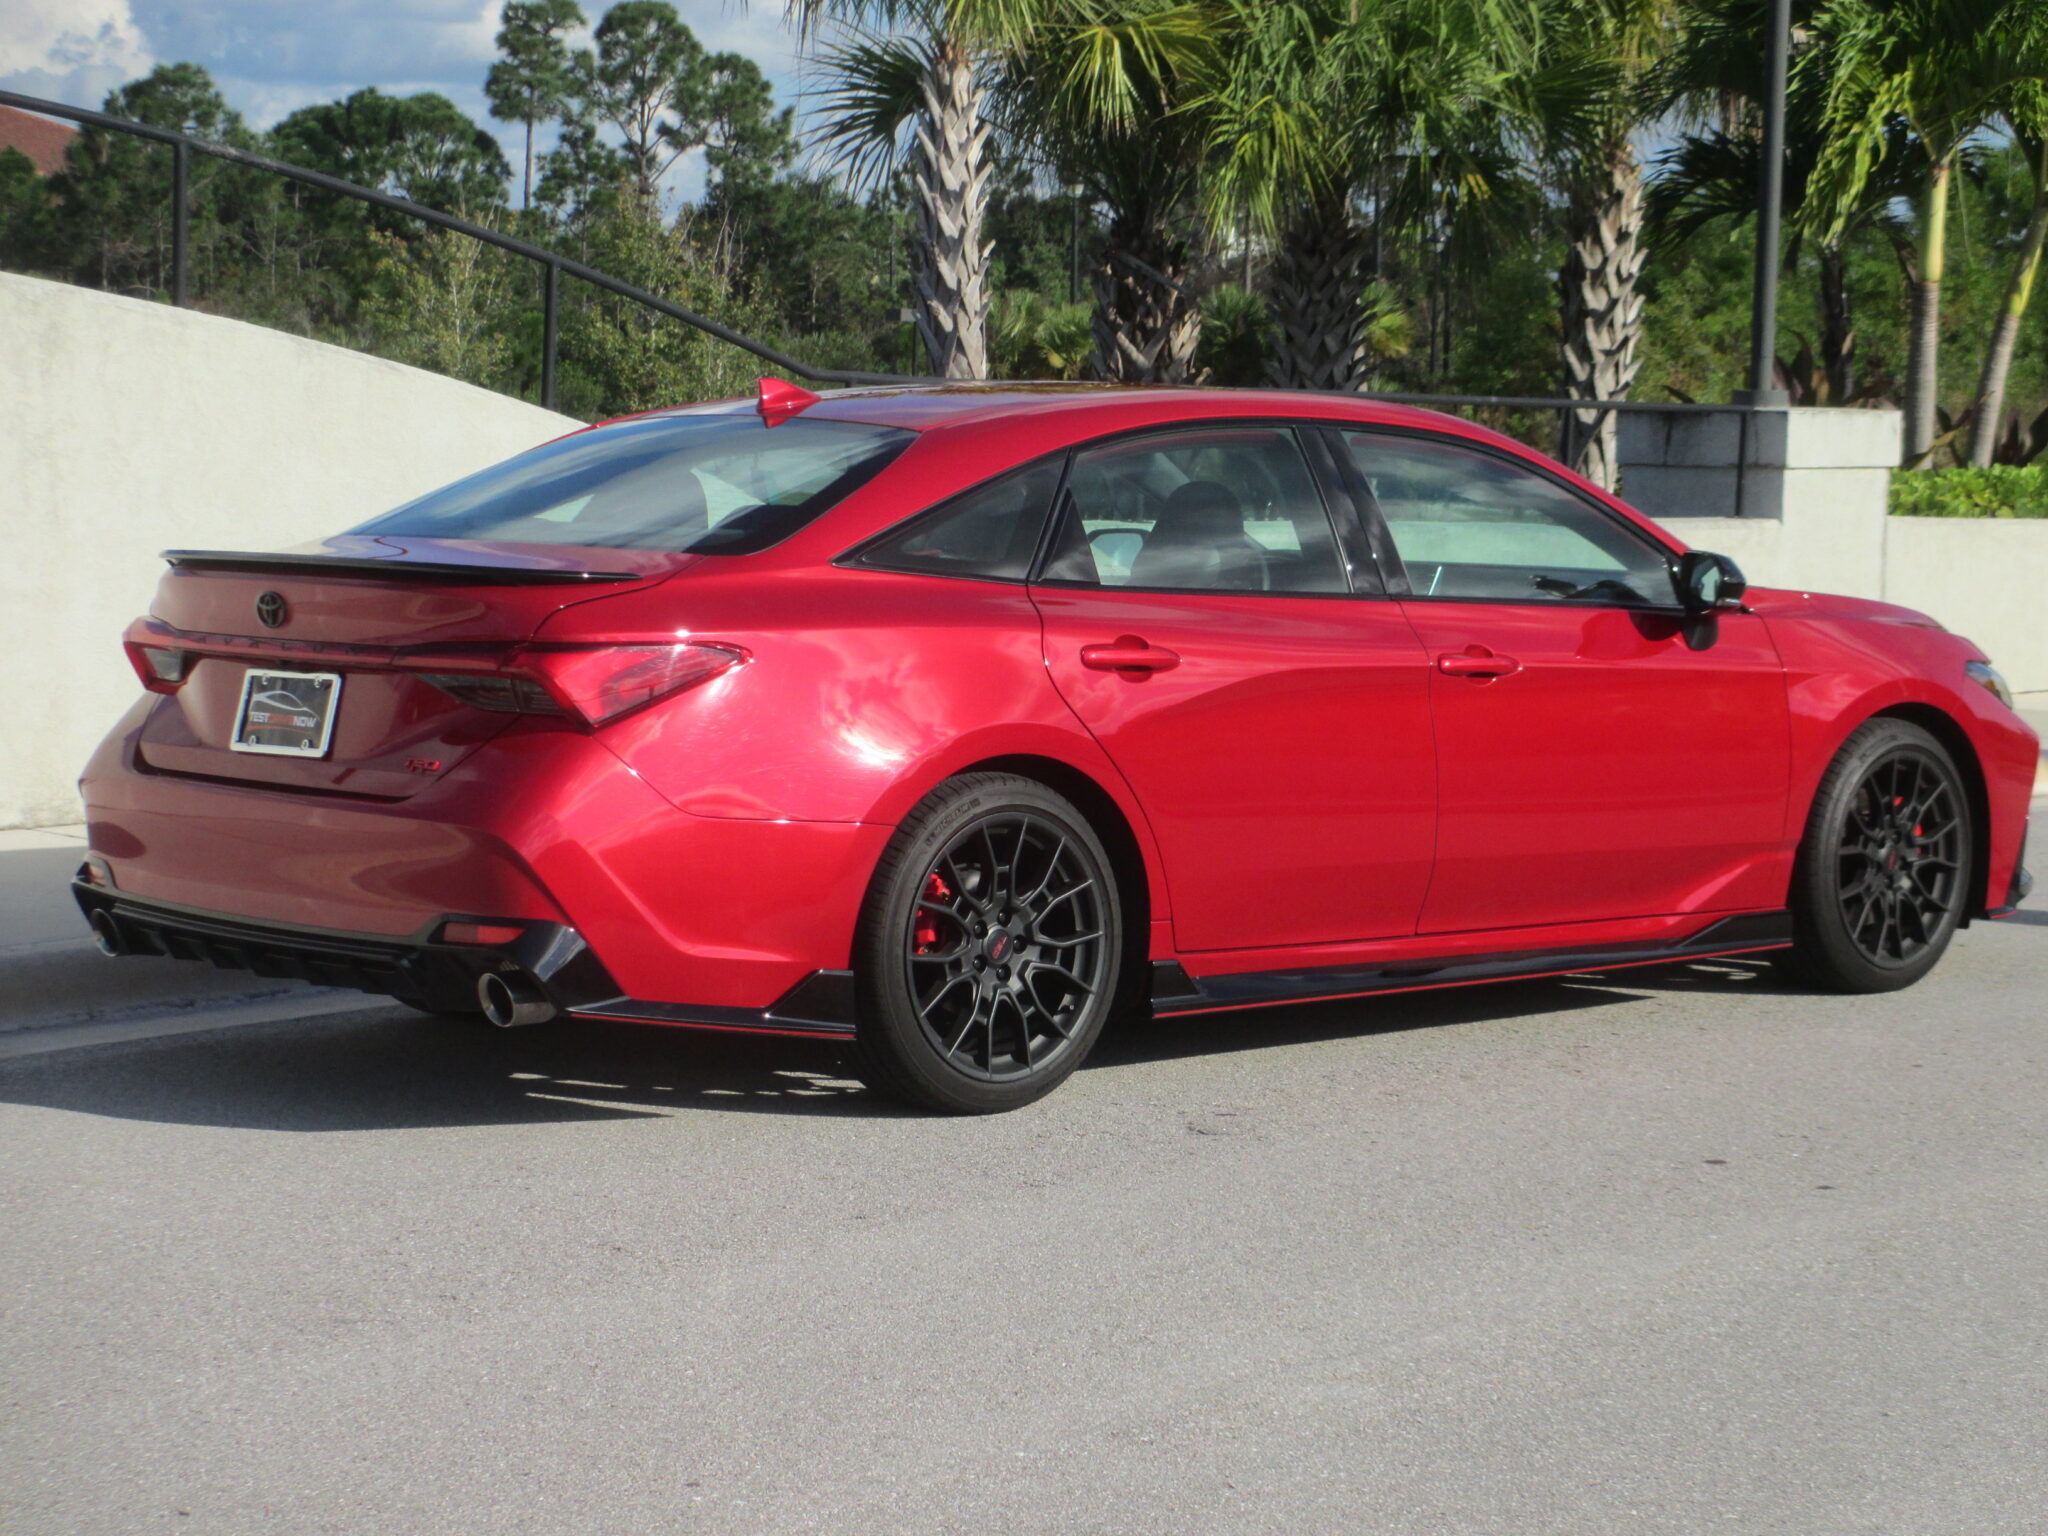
column 1486, row 196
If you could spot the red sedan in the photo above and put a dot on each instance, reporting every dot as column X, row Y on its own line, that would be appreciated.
column 954, row 722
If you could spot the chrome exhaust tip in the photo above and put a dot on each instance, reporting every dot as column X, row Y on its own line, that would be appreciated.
column 107, row 934
column 510, row 1000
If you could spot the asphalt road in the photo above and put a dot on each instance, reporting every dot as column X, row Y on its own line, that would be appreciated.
column 1675, row 1251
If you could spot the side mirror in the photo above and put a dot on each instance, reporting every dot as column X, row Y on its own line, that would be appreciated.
column 1708, row 583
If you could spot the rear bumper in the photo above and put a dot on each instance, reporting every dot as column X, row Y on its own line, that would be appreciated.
column 694, row 919
column 435, row 975
column 2022, row 881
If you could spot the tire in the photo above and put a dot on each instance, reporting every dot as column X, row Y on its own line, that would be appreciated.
column 987, row 954
column 1884, row 868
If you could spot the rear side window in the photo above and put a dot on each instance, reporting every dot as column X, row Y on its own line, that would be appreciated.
column 1231, row 509
column 721, row 485
column 990, row 532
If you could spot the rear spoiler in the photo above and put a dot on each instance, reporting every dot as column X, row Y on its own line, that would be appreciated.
column 460, row 572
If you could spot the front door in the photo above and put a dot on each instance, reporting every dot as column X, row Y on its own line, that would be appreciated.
column 1273, row 724
column 1599, row 755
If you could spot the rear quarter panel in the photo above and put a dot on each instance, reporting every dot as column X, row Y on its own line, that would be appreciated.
column 862, row 691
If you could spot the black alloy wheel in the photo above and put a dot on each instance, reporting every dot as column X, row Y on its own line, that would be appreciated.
column 989, row 948
column 1900, row 852
column 1885, row 866
column 1006, row 945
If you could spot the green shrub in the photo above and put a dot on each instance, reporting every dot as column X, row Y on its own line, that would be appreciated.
column 2003, row 490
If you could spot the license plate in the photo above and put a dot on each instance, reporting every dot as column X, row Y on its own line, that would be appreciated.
column 287, row 714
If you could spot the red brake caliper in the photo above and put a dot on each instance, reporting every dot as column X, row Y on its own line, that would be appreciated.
column 924, row 937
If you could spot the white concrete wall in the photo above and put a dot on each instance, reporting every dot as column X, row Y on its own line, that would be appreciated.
column 1814, row 484
column 1812, row 489
column 1983, row 577
column 127, row 428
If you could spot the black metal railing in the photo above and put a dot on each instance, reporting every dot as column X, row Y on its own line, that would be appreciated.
column 1578, row 419
column 554, row 265
column 1575, row 431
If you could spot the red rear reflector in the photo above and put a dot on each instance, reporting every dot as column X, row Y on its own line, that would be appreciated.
column 480, row 933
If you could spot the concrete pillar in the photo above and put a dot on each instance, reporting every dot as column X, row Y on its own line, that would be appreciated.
column 1797, row 498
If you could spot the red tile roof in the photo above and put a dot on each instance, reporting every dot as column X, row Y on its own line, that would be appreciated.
column 39, row 138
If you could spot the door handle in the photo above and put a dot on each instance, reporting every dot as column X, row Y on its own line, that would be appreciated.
column 1476, row 661
column 1128, row 653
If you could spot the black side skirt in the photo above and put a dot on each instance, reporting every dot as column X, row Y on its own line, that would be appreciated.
column 821, row 1004
column 1174, row 991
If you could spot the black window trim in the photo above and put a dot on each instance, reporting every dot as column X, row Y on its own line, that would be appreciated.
column 1396, row 569
column 1295, row 426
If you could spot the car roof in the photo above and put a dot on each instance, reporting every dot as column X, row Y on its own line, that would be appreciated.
column 998, row 423
column 920, row 407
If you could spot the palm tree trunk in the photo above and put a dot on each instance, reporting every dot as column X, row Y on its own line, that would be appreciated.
column 1603, row 311
column 1837, row 330
column 1923, row 346
column 1998, row 358
column 1318, row 303
column 950, row 282
column 1145, row 323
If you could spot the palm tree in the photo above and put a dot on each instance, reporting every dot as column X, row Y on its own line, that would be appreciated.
column 1101, row 91
column 910, row 90
column 2026, row 114
column 1940, row 69
column 1318, row 104
column 1609, row 46
column 1710, row 175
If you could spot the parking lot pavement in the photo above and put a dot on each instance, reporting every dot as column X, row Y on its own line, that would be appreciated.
column 52, row 976
column 1676, row 1251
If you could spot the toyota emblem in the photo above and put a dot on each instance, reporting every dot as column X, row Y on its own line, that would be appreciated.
column 271, row 610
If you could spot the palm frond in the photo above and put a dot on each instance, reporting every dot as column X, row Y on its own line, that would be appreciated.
column 874, row 93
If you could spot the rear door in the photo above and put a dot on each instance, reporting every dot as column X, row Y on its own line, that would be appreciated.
column 1201, row 619
column 1600, row 756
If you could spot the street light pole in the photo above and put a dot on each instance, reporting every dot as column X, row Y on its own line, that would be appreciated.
column 1763, row 313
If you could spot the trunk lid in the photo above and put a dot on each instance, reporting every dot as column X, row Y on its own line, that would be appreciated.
column 379, row 612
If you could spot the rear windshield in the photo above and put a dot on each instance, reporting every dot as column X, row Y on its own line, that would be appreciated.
column 722, row 485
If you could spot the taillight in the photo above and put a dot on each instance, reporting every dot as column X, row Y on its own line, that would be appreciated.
column 591, row 683
column 497, row 691
column 603, row 684
column 162, row 668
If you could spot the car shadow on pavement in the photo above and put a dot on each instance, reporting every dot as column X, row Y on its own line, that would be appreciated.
column 385, row 1068
column 388, row 1069
column 1247, row 1029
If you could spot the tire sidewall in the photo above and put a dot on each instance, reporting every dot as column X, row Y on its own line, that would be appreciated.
column 1827, row 949
column 890, row 1037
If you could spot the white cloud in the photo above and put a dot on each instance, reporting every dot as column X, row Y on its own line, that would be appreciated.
column 271, row 57
column 73, row 51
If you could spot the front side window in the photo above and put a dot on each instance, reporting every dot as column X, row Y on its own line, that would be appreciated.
column 1229, row 509
column 1469, row 525
column 726, row 485
column 990, row 532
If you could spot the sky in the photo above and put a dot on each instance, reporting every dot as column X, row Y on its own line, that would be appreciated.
column 271, row 57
